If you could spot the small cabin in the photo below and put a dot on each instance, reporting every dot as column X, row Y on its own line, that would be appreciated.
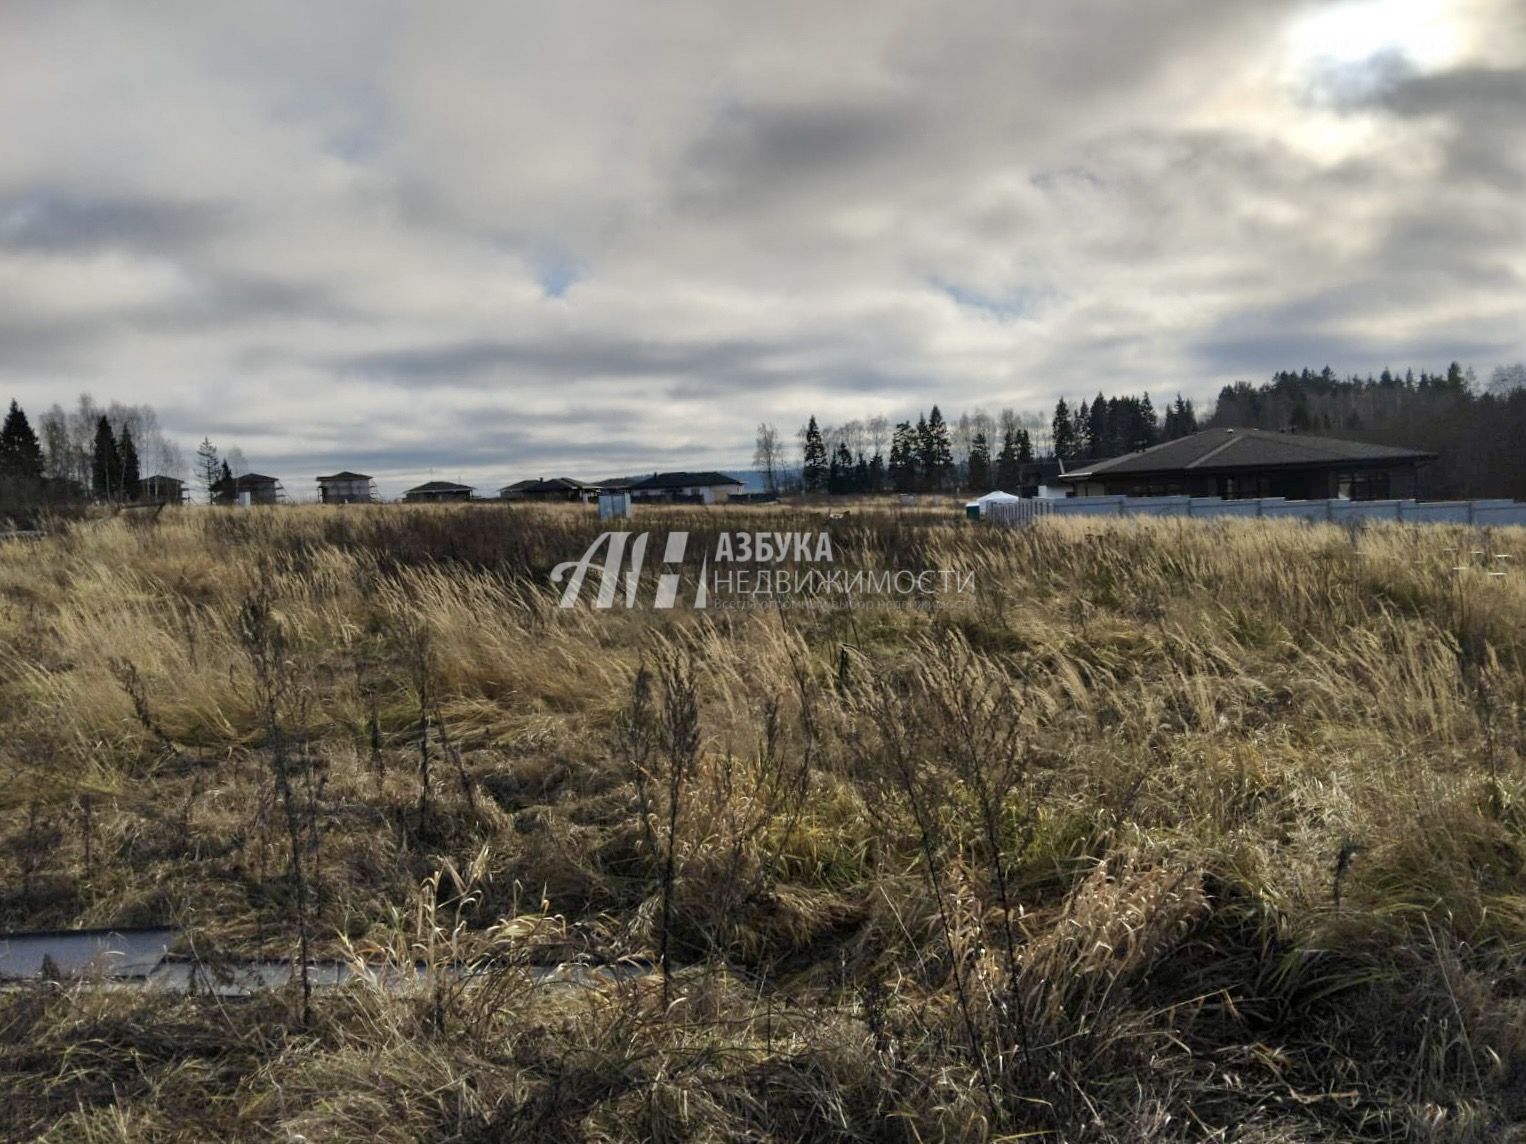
column 435, row 492
column 160, row 489
column 256, row 488
column 346, row 488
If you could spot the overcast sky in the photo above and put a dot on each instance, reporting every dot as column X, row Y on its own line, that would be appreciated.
column 496, row 240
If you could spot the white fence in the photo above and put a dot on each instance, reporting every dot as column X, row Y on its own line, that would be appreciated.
column 1477, row 512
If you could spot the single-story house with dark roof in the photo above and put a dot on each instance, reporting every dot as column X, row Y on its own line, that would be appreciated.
column 1240, row 463
column 256, row 488
column 686, row 488
column 346, row 488
column 436, row 491
column 552, row 489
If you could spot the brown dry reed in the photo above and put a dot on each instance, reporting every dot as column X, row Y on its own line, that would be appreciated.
column 1169, row 830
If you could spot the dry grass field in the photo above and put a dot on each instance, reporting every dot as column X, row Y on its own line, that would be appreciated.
column 1174, row 830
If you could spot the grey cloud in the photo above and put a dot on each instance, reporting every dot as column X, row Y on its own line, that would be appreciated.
column 370, row 238
column 64, row 220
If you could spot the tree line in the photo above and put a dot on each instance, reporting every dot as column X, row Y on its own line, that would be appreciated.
column 98, row 453
column 1477, row 430
column 110, row 468
column 977, row 452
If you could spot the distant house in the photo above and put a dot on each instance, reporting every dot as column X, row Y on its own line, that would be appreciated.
column 346, row 488
column 436, row 491
column 1240, row 463
column 552, row 489
column 160, row 489
column 685, row 488
column 254, row 488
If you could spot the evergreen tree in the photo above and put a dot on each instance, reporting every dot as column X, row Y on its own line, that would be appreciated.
column 20, row 454
column 840, row 470
column 208, row 468
column 1098, row 439
column 980, row 464
column 105, row 463
column 1024, row 446
column 1063, row 432
column 814, row 454
column 1181, row 420
column 903, row 458
column 876, row 482
column 1008, row 470
column 938, row 455
column 127, row 459
column 222, row 490
column 924, row 454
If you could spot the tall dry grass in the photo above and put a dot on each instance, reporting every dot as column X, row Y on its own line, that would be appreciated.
column 1174, row 830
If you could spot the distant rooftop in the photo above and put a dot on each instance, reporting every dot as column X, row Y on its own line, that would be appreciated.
column 440, row 487
column 1244, row 448
column 683, row 481
column 346, row 476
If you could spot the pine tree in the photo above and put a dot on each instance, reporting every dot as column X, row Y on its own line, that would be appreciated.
column 127, row 460
column 20, row 454
column 105, row 464
column 208, row 468
column 980, row 464
column 814, row 469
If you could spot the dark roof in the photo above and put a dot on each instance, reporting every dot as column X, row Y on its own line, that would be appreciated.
column 550, row 485
column 1214, row 449
column 253, row 479
column 346, row 476
column 440, row 487
column 617, row 483
column 684, row 480
column 161, row 477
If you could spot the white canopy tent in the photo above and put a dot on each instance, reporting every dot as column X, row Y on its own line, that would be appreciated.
column 997, row 497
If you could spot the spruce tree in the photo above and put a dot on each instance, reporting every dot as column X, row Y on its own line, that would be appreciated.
column 814, row 469
column 840, row 470
column 105, row 464
column 1063, row 432
column 1024, row 446
column 938, row 455
column 1149, row 424
column 222, row 489
column 980, row 464
column 127, row 460
column 20, row 454
column 1101, row 430
column 903, row 458
column 1008, row 475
